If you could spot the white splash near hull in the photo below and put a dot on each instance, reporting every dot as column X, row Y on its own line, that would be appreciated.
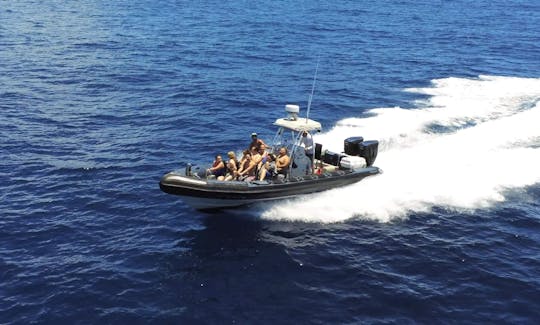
column 461, row 149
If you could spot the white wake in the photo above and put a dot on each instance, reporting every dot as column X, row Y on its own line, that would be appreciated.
column 462, row 148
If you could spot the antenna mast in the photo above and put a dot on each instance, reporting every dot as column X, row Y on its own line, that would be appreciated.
column 312, row 89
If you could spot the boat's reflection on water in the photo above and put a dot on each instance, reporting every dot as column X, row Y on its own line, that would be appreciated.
column 241, row 233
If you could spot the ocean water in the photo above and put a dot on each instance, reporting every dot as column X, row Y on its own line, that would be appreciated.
column 99, row 99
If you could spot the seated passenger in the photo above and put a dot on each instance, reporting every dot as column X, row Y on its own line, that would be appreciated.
column 218, row 167
column 255, row 155
column 243, row 163
column 268, row 168
column 247, row 169
column 232, row 167
column 282, row 162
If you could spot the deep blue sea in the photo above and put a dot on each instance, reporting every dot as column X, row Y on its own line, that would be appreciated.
column 99, row 99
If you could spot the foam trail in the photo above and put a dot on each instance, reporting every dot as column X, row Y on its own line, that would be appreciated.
column 472, row 140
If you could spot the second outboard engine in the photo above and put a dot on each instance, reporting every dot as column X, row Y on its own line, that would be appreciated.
column 356, row 146
column 369, row 150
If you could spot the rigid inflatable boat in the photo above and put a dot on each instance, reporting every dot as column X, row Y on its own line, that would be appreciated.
column 327, row 170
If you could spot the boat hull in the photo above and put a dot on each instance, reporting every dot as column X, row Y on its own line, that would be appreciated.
column 212, row 194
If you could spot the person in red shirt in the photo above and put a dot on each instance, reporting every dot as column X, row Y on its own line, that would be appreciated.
column 218, row 167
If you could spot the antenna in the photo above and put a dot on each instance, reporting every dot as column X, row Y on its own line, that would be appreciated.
column 312, row 88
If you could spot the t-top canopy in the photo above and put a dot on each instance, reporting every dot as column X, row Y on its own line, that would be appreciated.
column 300, row 124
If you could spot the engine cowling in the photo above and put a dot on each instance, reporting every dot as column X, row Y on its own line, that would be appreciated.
column 356, row 146
column 369, row 150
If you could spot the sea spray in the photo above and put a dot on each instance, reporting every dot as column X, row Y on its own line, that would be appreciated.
column 462, row 148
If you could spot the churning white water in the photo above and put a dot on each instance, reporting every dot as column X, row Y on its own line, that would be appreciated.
column 463, row 147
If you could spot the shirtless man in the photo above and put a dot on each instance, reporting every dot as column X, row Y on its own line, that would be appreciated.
column 258, row 143
column 282, row 162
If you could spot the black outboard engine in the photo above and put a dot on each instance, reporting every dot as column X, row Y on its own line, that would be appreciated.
column 352, row 147
column 356, row 146
column 369, row 150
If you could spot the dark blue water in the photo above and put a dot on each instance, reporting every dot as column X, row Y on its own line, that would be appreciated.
column 98, row 99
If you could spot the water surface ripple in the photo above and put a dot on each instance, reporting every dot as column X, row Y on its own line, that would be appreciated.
column 98, row 99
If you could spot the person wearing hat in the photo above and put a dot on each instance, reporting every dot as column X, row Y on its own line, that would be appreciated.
column 307, row 142
column 258, row 143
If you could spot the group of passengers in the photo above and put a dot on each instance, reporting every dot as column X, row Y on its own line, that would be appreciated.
column 256, row 163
